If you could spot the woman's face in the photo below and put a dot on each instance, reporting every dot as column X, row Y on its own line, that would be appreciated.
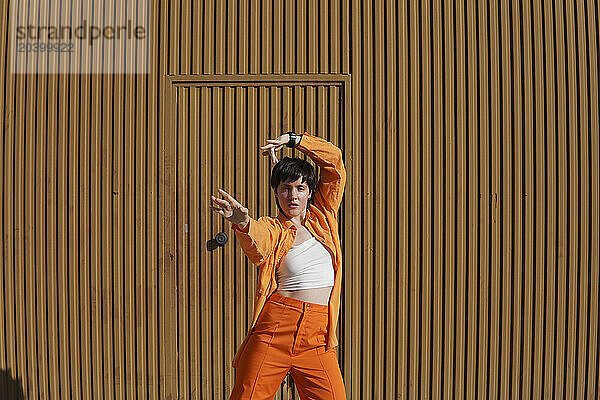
column 293, row 197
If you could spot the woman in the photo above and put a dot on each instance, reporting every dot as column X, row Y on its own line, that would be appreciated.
column 298, row 256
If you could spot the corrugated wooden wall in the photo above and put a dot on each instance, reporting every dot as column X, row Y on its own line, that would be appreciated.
column 79, row 281
column 473, row 265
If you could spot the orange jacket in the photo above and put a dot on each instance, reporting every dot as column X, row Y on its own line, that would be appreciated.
column 267, row 240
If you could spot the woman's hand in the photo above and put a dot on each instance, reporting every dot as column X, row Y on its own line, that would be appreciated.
column 230, row 209
column 274, row 145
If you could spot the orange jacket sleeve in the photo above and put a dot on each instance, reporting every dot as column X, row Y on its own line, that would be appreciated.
column 256, row 239
column 332, row 180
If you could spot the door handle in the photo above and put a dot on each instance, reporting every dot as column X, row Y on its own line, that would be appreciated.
column 218, row 241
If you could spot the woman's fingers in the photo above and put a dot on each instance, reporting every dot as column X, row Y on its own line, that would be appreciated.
column 220, row 202
column 218, row 210
column 225, row 195
column 229, row 198
column 267, row 147
column 274, row 159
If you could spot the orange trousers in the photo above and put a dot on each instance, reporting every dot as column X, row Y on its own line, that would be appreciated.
column 289, row 336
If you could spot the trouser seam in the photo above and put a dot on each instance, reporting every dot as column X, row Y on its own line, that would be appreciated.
column 265, row 357
column 328, row 377
column 258, row 372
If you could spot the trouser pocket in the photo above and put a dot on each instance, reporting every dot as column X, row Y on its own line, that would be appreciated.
column 316, row 330
column 268, row 322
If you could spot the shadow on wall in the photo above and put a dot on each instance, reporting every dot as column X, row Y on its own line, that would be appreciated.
column 10, row 389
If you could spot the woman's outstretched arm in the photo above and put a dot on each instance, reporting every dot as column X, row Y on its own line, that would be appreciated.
column 255, row 236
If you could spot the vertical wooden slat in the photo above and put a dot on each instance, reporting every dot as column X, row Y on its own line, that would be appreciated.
column 327, row 28
column 379, row 201
column 118, row 175
column 169, row 338
column 289, row 45
column 539, row 131
column 574, row 189
column 51, row 149
column 242, row 176
column 517, row 200
column 182, row 240
column 254, row 36
column 354, row 362
column 495, row 200
column 593, row 15
column 8, row 236
column 73, row 188
column 230, row 268
column 198, row 102
column 277, row 37
column 484, row 199
column 197, row 214
column 369, row 203
column 232, row 37
column 450, row 195
column 18, row 158
column 186, row 37
column 425, row 136
column 220, row 31
column 206, row 295
column 264, row 165
column 312, row 64
column 243, row 37
column 139, row 282
column 130, row 249
column 209, row 37
column 505, row 197
column 393, row 126
column 217, row 225
column 117, row 197
column 342, row 62
column 107, row 287
column 41, row 130
column 472, row 203
column 552, row 229
column 62, row 229
column 529, row 244
column 413, row 186
column 275, row 127
column 581, row 346
column 562, row 167
column 301, row 36
column 29, row 227
column 461, row 202
column 4, row 76
column 437, row 224
column 252, row 194
column 96, row 235
column 155, row 253
column 299, row 116
column 266, row 37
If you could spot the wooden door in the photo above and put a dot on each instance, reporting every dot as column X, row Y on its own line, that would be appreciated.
column 217, row 124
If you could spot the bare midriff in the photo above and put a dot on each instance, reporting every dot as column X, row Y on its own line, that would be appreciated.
column 317, row 295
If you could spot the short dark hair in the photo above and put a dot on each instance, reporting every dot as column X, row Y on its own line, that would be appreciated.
column 290, row 170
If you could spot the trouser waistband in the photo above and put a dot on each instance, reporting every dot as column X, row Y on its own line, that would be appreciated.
column 299, row 304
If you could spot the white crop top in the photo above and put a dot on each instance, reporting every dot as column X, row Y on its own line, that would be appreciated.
column 306, row 266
